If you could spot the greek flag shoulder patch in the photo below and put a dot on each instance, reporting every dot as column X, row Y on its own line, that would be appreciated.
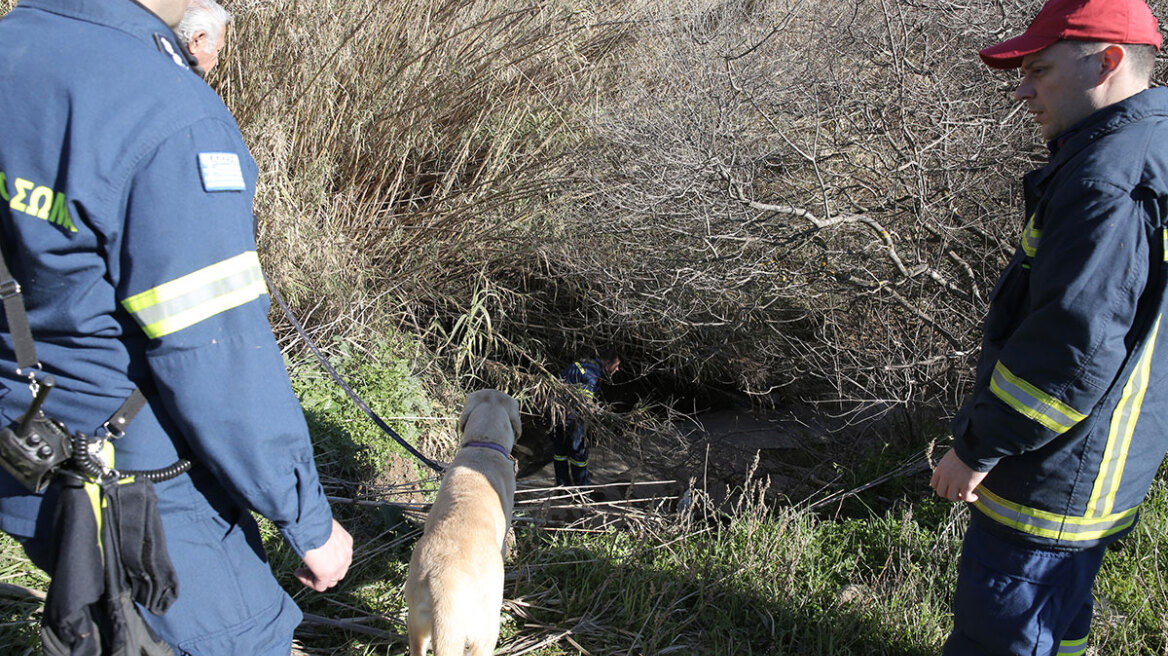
column 221, row 172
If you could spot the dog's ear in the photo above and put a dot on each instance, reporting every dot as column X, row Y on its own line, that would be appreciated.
column 516, row 420
column 471, row 401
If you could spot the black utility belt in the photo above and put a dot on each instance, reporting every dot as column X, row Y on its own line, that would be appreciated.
column 37, row 447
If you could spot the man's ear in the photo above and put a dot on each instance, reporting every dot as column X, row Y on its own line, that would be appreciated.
column 1109, row 60
column 197, row 42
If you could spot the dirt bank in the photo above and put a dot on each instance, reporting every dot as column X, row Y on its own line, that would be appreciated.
column 797, row 449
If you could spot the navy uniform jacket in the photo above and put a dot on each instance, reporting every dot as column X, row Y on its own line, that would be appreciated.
column 1070, row 405
column 587, row 376
column 125, row 211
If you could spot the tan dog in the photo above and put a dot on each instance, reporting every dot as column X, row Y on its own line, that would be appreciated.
column 455, row 587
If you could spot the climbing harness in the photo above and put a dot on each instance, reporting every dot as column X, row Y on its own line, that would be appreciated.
column 348, row 390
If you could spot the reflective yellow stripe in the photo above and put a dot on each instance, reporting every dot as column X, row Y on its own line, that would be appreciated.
column 1123, row 424
column 583, row 386
column 93, row 491
column 1032, row 402
column 96, row 497
column 197, row 296
column 578, row 463
column 1051, row 525
column 1031, row 237
column 1073, row 647
column 1164, row 238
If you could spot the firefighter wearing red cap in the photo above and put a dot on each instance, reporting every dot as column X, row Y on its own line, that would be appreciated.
column 1067, row 423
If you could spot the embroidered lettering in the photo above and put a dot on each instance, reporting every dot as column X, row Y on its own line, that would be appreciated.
column 37, row 201
column 60, row 214
column 40, row 202
column 22, row 188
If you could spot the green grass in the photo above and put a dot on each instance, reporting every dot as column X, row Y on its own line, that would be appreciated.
column 350, row 446
column 516, row 183
column 20, row 614
column 1134, row 619
column 764, row 584
column 766, row 581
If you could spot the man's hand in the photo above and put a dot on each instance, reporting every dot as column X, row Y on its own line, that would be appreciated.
column 954, row 480
column 328, row 563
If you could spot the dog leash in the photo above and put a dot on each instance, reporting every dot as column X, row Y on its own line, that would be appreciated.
column 341, row 381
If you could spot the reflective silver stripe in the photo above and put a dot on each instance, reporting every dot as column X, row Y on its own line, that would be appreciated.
column 197, row 296
column 1073, row 647
column 1031, row 238
column 1033, row 402
column 1119, row 436
column 583, row 386
column 1051, row 525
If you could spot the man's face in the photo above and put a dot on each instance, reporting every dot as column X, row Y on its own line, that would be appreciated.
column 1056, row 85
column 207, row 56
column 611, row 367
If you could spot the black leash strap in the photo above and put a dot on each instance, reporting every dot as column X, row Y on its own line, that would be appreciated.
column 116, row 424
column 341, row 381
column 18, row 327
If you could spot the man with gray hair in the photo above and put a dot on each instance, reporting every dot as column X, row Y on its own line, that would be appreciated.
column 202, row 32
column 127, row 212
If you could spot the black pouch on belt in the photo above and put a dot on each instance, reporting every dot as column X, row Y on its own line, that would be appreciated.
column 110, row 553
column 133, row 509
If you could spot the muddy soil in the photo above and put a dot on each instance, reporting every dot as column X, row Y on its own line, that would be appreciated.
column 718, row 451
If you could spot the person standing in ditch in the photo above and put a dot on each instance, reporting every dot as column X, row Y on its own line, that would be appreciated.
column 570, row 440
column 1067, row 424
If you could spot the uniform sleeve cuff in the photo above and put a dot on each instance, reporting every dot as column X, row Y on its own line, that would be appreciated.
column 313, row 528
column 971, row 460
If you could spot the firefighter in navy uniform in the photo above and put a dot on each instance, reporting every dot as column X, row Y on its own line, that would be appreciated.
column 1065, row 427
column 569, row 440
column 125, row 215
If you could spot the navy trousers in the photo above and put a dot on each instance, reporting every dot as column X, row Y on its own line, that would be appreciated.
column 1013, row 599
column 570, row 454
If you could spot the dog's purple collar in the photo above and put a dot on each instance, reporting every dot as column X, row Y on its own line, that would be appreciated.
column 489, row 445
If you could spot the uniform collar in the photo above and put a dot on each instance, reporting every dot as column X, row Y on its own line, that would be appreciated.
column 124, row 15
column 1054, row 145
column 1150, row 102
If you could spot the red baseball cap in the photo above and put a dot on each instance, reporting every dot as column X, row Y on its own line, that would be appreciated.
column 1105, row 21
